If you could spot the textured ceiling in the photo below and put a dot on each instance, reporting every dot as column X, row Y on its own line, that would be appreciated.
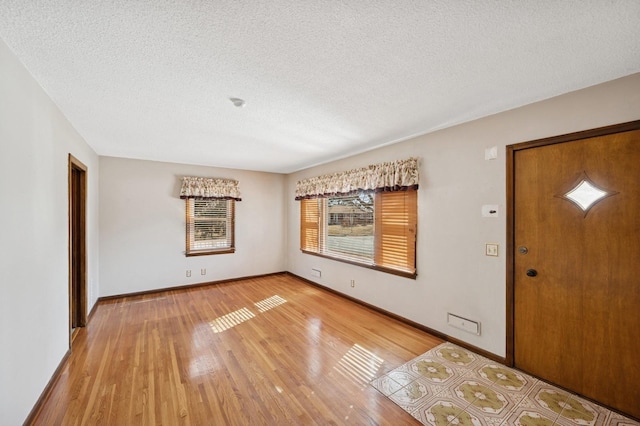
column 151, row 79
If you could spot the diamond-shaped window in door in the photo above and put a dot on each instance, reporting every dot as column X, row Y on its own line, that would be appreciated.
column 586, row 194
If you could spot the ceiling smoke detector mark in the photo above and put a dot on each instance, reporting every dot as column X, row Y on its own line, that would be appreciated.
column 237, row 102
column 585, row 194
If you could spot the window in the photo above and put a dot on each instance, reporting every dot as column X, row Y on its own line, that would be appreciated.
column 377, row 230
column 210, row 226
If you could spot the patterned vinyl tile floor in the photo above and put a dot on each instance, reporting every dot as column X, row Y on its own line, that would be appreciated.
column 449, row 385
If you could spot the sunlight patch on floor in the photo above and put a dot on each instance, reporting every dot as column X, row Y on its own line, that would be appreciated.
column 359, row 365
column 231, row 319
column 269, row 303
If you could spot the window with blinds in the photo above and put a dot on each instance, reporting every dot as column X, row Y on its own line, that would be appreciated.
column 210, row 226
column 377, row 230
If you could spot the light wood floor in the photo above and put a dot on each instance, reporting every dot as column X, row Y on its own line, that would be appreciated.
column 270, row 350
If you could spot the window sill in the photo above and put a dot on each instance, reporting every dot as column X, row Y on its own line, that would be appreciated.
column 210, row 252
column 411, row 275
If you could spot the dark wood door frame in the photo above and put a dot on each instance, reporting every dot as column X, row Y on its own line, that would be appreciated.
column 77, row 246
column 510, row 217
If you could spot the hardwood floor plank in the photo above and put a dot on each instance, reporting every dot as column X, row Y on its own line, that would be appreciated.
column 267, row 350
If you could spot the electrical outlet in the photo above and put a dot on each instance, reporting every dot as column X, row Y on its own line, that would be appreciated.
column 203, row 271
column 188, row 272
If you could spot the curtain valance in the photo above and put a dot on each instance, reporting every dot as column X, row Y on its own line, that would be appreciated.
column 392, row 176
column 209, row 188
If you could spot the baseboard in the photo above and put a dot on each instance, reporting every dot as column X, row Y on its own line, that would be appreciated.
column 92, row 311
column 404, row 320
column 54, row 378
column 47, row 390
column 186, row 286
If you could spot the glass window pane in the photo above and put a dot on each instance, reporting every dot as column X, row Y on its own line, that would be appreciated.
column 350, row 228
column 210, row 225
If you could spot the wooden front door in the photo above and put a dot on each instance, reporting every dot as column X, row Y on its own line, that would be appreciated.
column 576, row 267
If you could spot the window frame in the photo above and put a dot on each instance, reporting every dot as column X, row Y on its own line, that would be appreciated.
column 190, row 206
column 314, row 232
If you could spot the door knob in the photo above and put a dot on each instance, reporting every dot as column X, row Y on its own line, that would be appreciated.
column 532, row 272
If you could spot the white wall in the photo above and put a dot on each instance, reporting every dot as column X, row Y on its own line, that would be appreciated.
column 142, row 226
column 454, row 275
column 35, row 141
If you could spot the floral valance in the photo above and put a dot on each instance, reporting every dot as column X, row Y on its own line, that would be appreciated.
column 209, row 188
column 392, row 176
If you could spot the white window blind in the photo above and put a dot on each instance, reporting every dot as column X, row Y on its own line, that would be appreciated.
column 210, row 226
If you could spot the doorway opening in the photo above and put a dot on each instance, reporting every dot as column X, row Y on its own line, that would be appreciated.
column 77, row 247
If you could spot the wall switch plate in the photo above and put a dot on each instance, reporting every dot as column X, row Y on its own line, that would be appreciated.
column 491, row 249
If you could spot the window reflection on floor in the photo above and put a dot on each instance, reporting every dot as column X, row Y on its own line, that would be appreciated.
column 359, row 365
column 231, row 319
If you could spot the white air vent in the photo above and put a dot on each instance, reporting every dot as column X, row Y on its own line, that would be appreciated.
column 463, row 324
